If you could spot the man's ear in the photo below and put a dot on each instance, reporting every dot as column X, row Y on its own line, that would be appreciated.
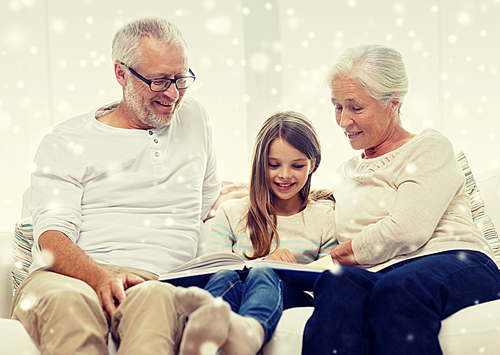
column 120, row 73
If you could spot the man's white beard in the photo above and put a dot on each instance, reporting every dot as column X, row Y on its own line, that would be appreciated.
column 144, row 112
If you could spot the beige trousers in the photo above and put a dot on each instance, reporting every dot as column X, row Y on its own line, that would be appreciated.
column 64, row 316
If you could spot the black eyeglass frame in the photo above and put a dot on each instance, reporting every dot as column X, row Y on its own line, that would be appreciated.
column 167, row 84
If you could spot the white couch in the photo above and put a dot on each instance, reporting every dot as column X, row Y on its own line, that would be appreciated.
column 474, row 330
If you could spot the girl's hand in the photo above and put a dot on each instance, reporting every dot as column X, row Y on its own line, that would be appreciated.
column 342, row 254
column 282, row 255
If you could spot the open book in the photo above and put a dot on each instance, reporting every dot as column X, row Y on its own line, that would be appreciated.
column 197, row 271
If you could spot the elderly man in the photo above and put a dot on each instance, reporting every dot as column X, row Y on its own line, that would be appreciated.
column 117, row 198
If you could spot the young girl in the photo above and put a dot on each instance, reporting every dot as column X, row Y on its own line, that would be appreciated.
column 277, row 222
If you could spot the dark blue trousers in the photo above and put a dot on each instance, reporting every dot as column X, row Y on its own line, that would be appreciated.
column 397, row 310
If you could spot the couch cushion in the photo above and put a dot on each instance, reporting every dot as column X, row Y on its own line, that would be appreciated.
column 479, row 215
column 21, row 251
column 489, row 183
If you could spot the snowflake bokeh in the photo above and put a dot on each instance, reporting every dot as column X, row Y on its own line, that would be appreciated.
column 59, row 65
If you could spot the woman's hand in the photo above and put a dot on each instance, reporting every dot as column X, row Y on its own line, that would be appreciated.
column 342, row 254
column 282, row 255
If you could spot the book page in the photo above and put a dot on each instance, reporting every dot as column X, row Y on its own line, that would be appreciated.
column 325, row 262
column 210, row 260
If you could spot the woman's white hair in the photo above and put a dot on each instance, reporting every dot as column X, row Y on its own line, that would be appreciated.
column 128, row 38
column 376, row 68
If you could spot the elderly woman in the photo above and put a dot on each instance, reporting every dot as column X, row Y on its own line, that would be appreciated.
column 409, row 252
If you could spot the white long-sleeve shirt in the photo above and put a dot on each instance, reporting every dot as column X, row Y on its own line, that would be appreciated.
column 126, row 197
column 407, row 203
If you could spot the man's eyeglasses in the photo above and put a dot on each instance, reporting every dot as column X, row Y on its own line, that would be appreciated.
column 157, row 85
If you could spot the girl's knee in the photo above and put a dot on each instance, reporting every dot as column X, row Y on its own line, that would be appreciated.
column 226, row 276
column 262, row 271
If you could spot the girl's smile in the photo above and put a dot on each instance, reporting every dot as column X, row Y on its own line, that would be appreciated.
column 288, row 171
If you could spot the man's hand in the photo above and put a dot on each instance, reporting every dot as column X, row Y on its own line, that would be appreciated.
column 68, row 259
column 282, row 255
column 229, row 191
column 111, row 290
column 343, row 254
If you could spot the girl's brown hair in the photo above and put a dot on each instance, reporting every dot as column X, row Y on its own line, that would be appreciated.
column 298, row 131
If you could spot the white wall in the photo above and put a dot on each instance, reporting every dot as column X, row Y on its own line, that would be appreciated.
column 55, row 63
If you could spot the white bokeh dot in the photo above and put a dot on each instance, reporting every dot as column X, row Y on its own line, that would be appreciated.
column 58, row 26
column 459, row 112
column 452, row 39
column 169, row 222
column 411, row 168
column 29, row 3
column 16, row 37
column 293, row 22
column 399, row 7
column 205, row 62
column 5, row 120
column 277, row 46
column 181, row 179
column 15, row 6
column 259, row 62
column 464, row 18
column 220, row 26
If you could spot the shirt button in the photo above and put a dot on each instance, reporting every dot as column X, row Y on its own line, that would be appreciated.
column 155, row 140
column 157, row 154
column 150, row 133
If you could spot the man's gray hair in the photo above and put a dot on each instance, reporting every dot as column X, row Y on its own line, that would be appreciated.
column 127, row 39
column 376, row 68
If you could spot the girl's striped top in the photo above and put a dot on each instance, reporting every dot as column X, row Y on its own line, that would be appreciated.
column 309, row 234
